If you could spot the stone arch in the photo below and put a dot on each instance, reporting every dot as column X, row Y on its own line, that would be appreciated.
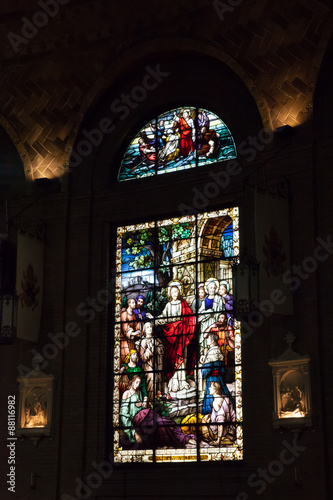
column 148, row 48
column 210, row 234
column 167, row 54
column 209, row 238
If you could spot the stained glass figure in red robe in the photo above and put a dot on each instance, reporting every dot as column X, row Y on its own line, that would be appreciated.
column 187, row 133
column 178, row 333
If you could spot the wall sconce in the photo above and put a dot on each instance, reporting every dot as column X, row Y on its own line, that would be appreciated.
column 35, row 406
column 292, row 389
column 245, row 277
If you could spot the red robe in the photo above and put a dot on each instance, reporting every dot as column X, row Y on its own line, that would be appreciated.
column 179, row 334
column 186, row 142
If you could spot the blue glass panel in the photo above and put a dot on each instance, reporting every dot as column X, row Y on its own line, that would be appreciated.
column 140, row 157
column 137, row 250
column 227, row 242
column 215, row 142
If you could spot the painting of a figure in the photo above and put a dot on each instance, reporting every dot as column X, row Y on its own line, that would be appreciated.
column 36, row 408
column 175, row 387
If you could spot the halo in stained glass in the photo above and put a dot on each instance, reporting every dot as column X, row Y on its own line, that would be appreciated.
column 182, row 138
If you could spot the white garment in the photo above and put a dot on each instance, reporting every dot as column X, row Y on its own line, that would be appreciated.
column 208, row 319
column 225, row 413
column 173, row 310
column 170, row 147
column 151, row 353
column 214, row 353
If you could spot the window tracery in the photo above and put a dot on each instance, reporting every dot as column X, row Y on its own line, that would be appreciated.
column 177, row 381
column 178, row 139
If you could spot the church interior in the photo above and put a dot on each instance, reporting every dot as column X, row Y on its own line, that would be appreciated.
column 80, row 81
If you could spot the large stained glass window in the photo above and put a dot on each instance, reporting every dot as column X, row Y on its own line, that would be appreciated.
column 177, row 381
column 175, row 140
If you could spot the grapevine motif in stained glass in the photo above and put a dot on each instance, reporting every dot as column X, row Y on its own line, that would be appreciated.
column 176, row 140
column 177, row 381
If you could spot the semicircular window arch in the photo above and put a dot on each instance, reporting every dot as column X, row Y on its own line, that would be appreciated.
column 175, row 140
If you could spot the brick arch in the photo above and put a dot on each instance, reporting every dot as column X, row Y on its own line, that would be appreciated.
column 143, row 51
column 275, row 48
column 280, row 100
column 130, row 68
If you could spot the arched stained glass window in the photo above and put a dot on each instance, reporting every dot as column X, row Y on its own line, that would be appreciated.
column 176, row 140
column 177, row 379
column 226, row 241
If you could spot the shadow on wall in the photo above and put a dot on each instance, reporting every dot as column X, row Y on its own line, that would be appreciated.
column 12, row 178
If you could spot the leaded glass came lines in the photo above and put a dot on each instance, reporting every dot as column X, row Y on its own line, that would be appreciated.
column 176, row 140
column 177, row 380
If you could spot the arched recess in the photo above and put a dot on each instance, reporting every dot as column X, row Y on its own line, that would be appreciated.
column 191, row 73
column 15, row 168
column 210, row 234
